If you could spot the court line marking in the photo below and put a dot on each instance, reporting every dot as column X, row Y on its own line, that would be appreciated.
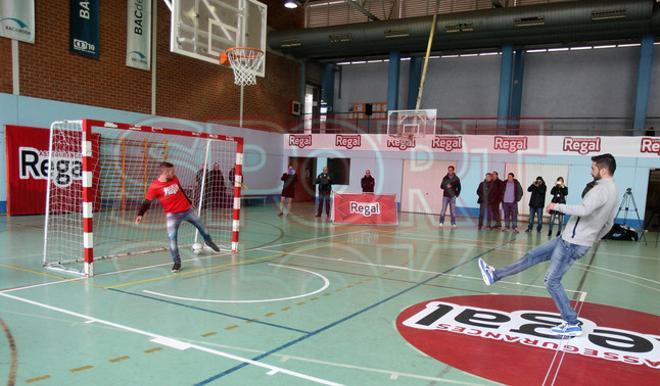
column 523, row 243
column 192, row 307
column 560, row 347
column 192, row 346
column 326, row 284
column 286, row 358
column 348, row 317
column 397, row 267
column 619, row 278
column 168, row 263
column 617, row 272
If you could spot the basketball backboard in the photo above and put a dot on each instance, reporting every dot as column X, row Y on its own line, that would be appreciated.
column 203, row 29
column 416, row 123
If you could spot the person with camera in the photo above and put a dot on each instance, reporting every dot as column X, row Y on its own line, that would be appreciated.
column 559, row 193
column 536, row 204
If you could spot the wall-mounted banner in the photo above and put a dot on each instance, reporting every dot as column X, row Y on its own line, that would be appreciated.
column 648, row 147
column 84, row 28
column 138, row 34
column 17, row 20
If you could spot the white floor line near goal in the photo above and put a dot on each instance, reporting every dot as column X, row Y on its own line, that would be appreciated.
column 175, row 343
column 326, row 284
column 169, row 263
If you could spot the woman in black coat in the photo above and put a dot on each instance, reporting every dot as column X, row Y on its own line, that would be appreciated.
column 288, row 189
column 536, row 203
column 559, row 193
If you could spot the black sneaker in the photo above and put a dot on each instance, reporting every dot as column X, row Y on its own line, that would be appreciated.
column 176, row 267
column 212, row 245
column 280, row 214
column 527, row 230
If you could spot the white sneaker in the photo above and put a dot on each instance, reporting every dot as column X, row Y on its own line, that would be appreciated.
column 442, row 224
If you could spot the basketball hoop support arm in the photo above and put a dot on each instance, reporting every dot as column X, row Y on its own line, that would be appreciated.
column 426, row 62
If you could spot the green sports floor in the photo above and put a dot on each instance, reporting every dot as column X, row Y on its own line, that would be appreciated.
column 307, row 302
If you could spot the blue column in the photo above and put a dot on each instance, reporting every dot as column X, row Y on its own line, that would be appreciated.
column 393, row 80
column 414, row 77
column 643, row 85
column 328, row 86
column 517, row 87
column 506, row 74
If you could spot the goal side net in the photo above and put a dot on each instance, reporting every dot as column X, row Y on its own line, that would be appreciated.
column 99, row 173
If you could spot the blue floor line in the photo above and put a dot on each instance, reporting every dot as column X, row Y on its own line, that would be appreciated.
column 211, row 311
column 351, row 316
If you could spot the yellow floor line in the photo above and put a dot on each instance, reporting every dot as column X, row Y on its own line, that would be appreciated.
column 210, row 333
column 79, row 369
column 119, row 359
column 37, row 379
column 28, row 270
column 152, row 350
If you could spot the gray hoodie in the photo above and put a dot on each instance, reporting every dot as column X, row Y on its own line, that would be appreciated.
column 594, row 217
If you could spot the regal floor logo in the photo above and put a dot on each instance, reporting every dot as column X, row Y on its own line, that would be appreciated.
column 506, row 338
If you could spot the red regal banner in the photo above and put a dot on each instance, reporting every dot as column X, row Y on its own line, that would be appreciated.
column 364, row 208
column 27, row 169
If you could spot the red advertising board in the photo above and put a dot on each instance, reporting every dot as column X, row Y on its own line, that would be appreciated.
column 364, row 208
column 27, row 169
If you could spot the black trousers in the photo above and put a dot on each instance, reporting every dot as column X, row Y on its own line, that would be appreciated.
column 324, row 199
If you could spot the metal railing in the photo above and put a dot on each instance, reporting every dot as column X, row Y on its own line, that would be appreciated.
column 349, row 123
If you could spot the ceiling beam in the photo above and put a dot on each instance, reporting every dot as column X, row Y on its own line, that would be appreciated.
column 360, row 7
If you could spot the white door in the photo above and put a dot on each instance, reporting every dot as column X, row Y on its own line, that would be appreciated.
column 420, row 190
column 526, row 175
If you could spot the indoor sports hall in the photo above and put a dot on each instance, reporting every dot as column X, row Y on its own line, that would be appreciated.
column 301, row 192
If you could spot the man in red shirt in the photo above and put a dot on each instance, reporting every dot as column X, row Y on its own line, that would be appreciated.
column 167, row 189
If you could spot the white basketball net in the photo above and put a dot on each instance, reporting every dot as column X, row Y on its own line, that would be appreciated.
column 245, row 62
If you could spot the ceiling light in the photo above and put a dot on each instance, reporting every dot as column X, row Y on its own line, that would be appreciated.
column 291, row 4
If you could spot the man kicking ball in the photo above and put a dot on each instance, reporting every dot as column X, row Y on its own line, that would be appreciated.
column 167, row 189
column 590, row 221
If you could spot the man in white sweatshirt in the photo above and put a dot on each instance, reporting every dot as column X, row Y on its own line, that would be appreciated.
column 590, row 221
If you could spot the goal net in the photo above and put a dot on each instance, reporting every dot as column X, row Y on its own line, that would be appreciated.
column 99, row 173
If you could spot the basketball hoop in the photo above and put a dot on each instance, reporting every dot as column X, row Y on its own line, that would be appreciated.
column 245, row 62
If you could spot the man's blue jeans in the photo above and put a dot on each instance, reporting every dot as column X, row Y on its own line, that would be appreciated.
column 451, row 203
column 173, row 222
column 562, row 255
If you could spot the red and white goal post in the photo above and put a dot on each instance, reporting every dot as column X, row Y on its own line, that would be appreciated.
column 99, row 173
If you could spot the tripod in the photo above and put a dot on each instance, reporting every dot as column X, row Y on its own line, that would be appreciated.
column 628, row 199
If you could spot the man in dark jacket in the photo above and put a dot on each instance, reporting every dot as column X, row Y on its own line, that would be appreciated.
column 451, row 188
column 288, row 189
column 559, row 193
column 512, row 195
column 368, row 182
column 482, row 192
column 324, row 182
column 494, row 201
column 536, row 203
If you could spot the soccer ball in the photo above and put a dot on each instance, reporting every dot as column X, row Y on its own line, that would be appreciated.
column 197, row 248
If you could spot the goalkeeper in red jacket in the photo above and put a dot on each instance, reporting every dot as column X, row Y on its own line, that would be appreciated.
column 167, row 189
